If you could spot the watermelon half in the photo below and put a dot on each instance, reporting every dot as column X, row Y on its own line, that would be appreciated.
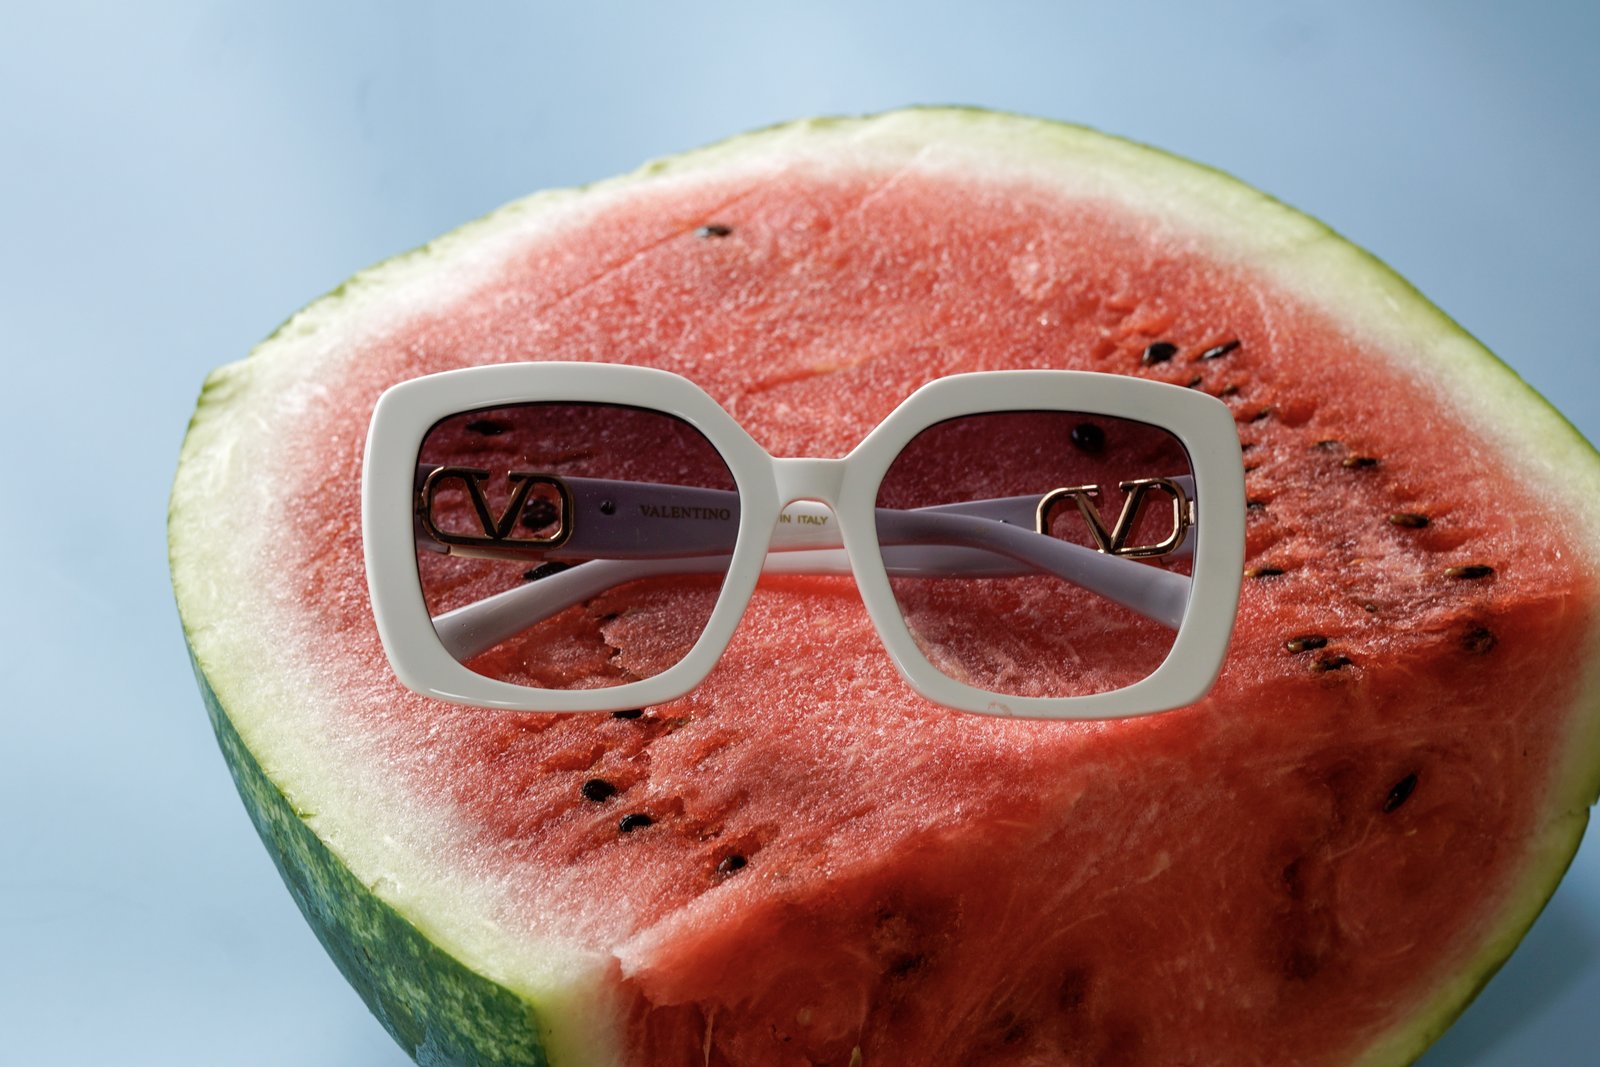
column 1320, row 863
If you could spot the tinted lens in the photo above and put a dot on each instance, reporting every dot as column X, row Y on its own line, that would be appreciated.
column 571, row 546
column 985, row 593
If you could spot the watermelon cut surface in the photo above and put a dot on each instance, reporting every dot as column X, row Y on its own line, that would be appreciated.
column 1320, row 863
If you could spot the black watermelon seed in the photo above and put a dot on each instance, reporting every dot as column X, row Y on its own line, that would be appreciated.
column 598, row 789
column 1478, row 640
column 1073, row 989
column 1159, row 352
column 637, row 820
column 1089, row 437
column 1220, row 350
column 544, row 570
column 1400, row 793
column 1470, row 571
column 1411, row 520
column 1264, row 413
column 1305, row 643
column 1263, row 572
column 1370, row 606
column 1255, row 505
column 1229, row 390
column 1328, row 443
column 906, row 963
column 487, row 427
column 630, row 713
column 1360, row 463
column 730, row 863
column 713, row 229
column 539, row 513
column 1195, row 382
column 1330, row 661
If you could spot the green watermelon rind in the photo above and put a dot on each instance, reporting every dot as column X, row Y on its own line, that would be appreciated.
column 442, row 1010
column 438, row 1010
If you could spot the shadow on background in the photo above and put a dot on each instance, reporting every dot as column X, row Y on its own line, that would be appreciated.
column 1548, row 967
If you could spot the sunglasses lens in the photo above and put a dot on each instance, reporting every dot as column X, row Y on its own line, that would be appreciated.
column 571, row 546
column 982, row 520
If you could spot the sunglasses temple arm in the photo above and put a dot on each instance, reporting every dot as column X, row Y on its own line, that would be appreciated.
column 475, row 628
column 970, row 547
column 1159, row 595
column 1023, row 511
column 615, row 519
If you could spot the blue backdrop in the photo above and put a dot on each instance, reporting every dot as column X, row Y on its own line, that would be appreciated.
column 180, row 177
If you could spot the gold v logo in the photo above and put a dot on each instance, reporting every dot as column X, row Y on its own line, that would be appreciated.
column 1115, row 540
column 496, row 531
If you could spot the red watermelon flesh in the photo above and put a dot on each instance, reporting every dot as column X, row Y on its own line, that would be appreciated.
column 1316, row 864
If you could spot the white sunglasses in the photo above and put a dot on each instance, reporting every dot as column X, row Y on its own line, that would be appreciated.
column 585, row 537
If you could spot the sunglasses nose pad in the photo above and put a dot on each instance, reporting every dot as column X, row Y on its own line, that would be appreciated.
column 807, row 539
column 811, row 527
column 805, row 478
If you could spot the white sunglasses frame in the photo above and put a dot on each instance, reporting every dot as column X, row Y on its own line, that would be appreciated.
column 848, row 486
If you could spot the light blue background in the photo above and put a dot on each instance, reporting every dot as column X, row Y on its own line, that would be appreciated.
column 178, row 178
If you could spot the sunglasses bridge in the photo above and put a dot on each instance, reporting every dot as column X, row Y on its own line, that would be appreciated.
column 807, row 478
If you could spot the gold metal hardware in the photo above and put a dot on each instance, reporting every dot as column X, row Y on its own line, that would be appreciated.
column 1114, row 541
column 498, row 532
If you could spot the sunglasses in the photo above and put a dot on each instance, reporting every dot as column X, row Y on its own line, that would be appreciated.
column 585, row 537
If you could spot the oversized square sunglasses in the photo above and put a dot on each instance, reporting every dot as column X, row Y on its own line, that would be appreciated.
column 585, row 537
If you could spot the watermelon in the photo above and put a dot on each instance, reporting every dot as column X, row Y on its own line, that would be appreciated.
column 801, row 862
